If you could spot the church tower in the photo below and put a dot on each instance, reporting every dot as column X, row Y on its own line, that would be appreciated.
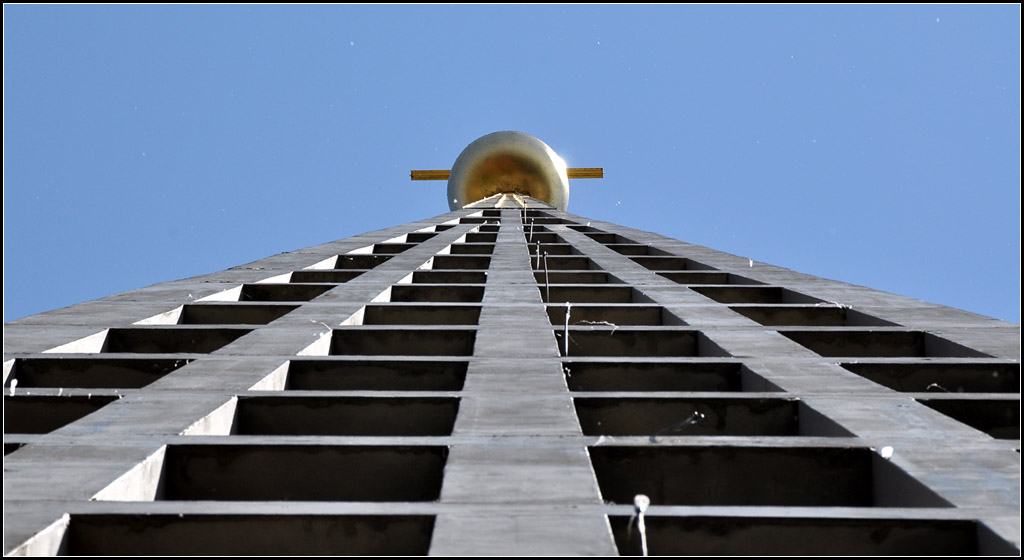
column 509, row 378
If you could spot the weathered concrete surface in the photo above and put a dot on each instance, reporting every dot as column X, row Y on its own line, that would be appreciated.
column 515, row 395
column 518, row 474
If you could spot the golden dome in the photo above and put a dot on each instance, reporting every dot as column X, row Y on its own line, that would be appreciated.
column 508, row 162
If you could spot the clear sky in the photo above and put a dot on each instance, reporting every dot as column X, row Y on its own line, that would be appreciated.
column 878, row 145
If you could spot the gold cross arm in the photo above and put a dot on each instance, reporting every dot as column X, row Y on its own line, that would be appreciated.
column 442, row 174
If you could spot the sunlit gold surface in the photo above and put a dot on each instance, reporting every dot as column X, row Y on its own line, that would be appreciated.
column 508, row 162
column 442, row 174
column 585, row 172
column 429, row 174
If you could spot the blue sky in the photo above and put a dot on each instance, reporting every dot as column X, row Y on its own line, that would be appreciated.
column 878, row 145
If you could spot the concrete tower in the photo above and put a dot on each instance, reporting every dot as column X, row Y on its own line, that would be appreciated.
column 508, row 378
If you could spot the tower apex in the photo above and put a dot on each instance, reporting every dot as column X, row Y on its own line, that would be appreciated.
column 508, row 162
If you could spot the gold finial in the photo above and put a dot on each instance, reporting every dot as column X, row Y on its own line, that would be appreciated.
column 508, row 162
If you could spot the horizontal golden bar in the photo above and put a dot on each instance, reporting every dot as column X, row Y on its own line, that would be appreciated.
column 585, row 172
column 430, row 174
column 442, row 174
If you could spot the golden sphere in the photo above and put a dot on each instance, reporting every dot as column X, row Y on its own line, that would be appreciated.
column 508, row 162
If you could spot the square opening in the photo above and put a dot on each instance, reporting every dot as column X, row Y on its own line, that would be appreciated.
column 950, row 377
column 472, row 249
column 327, row 473
column 553, row 277
column 448, row 277
column 90, row 373
column 282, row 292
column 461, row 262
column 323, row 276
column 559, row 262
column 753, row 294
column 999, row 418
column 425, row 293
column 544, row 238
column 551, row 249
column 246, row 535
column 634, row 342
column 591, row 294
column 38, row 414
column 661, row 419
column 797, row 536
column 403, row 342
column 418, row 237
column 360, row 261
column 756, row 476
column 196, row 340
column 477, row 237
column 880, row 344
column 391, row 248
column 630, row 249
column 810, row 316
column 421, row 315
column 345, row 416
column 657, row 263
column 607, row 238
column 691, row 277
column 661, row 376
column 375, row 375
column 232, row 313
column 612, row 315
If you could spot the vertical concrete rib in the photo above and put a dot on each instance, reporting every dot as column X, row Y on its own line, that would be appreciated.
column 970, row 470
column 517, row 478
column 57, row 472
column 509, row 469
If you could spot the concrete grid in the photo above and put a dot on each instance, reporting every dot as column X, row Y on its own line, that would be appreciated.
column 410, row 391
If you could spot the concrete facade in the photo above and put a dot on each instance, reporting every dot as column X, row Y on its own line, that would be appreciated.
column 505, row 380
